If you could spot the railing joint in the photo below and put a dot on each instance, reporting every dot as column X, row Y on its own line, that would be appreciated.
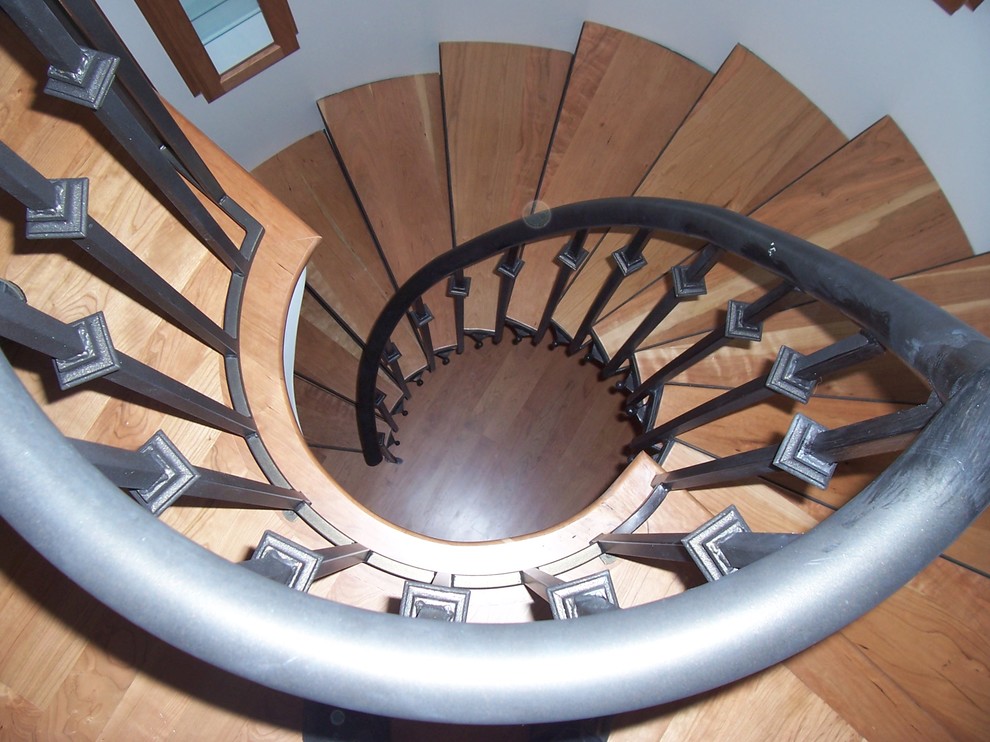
column 684, row 285
column 98, row 358
column 436, row 602
column 736, row 325
column 89, row 84
column 68, row 218
column 796, row 454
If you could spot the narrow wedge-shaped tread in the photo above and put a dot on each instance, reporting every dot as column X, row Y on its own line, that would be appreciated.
column 500, row 105
column 329, row 355
column 874, row 202
column 625, row 98
column 391, row 139
column 751, row 134
column 345, row 268
column 326, row 420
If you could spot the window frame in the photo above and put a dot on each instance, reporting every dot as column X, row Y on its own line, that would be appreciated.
column 182, row 44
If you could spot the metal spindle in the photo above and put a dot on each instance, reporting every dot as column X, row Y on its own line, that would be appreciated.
column 158, row 474
column 458, row 288
column 628, row 260
column 743, row 321
column 793, row 375
column 686, row 281
column 57, row 209
column 508, row 269
column 86, row 77
column 421, row 317
column 570, row 258
column 90, row 20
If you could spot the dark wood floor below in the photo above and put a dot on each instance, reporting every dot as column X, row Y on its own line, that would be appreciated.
column 505, row 440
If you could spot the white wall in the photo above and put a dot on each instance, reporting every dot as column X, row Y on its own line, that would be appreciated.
column 856, row 59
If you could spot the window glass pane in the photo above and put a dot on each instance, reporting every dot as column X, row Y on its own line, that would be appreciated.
column 231, row 30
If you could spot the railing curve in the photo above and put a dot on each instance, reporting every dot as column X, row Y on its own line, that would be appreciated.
column 929, row 340
column 541, row 671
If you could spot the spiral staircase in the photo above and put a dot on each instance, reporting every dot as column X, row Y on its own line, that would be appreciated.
column 442, row 212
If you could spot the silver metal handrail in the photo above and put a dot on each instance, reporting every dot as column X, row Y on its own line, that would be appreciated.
column 542, row 671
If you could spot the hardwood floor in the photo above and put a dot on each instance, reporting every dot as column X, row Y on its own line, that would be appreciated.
column 505, row 440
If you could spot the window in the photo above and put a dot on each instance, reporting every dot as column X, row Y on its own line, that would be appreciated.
column 218, row 44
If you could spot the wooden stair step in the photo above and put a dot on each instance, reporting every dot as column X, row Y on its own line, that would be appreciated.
column 500, row 105
column 766, row 424
column 874, row 202
column 325, row 419
column 391, row 140
column 346, row 268
column 958, row 287
column 730, row 152
column 330, row 357
column 608, row 134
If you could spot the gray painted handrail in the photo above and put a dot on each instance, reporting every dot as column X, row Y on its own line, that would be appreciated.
column 541, row 671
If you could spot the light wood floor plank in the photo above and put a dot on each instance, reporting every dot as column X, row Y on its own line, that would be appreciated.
column 390, row 136
column 608, row 135
column 500, row 105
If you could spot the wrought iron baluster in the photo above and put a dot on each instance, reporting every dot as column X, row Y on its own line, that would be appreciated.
column 628, row 259
column 686, row 281
column 158, row 474
column 743, row 321
column 793, row 375
column 86, row 77
column 421, row 317
column 93, row 356
column 508, row 270
column 569, row 260
column 58, row 210
column 458, row 288
column 93, row 24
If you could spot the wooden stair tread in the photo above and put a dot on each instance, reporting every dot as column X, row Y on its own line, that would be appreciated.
column 728, row 153
column 325, row 419
column 391, row 139
column 766, row 424
column 608, row 134
column 500, row 105
column 874, row 202
column 346, row 268
column 330, row 356
column 958, row 287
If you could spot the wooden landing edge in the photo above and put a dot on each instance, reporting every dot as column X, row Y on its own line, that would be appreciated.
column 283, row 253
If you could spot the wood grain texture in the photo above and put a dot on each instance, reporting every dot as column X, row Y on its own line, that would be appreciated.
column 728, row 153
column 958, row 287
column 346, row 268
column 68, row 666
column 390, row 137
column 873, row 202
column 500, row 105
column 529, row 421
column 608, row 135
